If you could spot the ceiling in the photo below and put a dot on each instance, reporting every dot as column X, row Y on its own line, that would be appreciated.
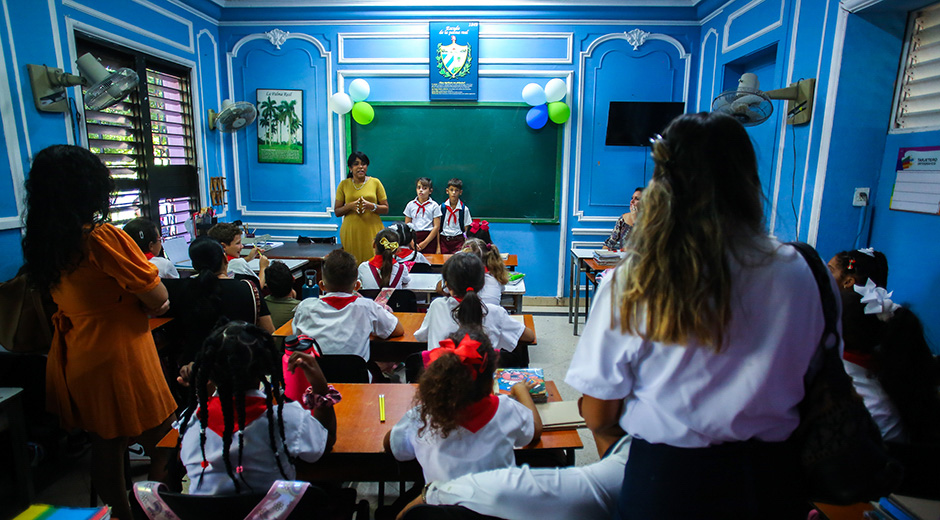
column 455, row 3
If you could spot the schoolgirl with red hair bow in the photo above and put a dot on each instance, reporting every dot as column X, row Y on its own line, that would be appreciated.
column 459, row 426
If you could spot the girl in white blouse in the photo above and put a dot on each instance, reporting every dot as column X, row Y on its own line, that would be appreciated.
column 459, row 426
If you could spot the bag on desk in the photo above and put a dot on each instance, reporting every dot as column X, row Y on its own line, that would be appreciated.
column 843, row 457
column 26, row 320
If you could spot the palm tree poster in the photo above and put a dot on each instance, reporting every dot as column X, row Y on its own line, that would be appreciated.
column 280, row 126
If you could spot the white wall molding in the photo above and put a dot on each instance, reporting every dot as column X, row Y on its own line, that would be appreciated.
column 326, row 55
column 825, row 139
column 292, row 226
column 57, row 46
column 585, row 55
column 716, row 12
column 11, row 137
column 220, row 149
column 19, row 83
column 590, row 231
column 782, row 131
column 413, row 60
column 188, row 47
column 725, row 47
column 381, row 22
column 193, row 11
column 701, row 70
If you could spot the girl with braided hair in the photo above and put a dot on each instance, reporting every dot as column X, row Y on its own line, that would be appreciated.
column 269, row 433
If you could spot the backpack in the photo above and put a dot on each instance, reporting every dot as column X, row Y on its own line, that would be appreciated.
column 26, row 320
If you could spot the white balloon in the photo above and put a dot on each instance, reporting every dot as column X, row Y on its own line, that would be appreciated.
column 533, row 94
column 359, row 90
column 341, row 103
column 555, row 90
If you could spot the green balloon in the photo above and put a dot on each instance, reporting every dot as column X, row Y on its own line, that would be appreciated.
column 558, row 112
column 363, row 112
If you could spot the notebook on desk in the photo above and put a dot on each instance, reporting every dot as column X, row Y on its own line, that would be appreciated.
column 176, row 249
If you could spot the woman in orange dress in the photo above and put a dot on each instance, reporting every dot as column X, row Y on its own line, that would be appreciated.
column 103, row 374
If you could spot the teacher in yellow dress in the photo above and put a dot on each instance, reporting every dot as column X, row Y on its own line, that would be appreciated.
column 360, row 199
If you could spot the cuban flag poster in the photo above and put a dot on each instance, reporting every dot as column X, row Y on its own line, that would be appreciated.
column 454, row 50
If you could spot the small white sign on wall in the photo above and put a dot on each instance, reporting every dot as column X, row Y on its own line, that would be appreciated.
column 917, row 185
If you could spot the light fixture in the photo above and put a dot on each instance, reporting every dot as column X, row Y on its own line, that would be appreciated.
column 749, row 105
column 105, row 88
column 233, row 116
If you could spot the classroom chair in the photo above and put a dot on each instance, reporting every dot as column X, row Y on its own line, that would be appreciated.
column 315, row 503
column 414, row 365
column 344, row 368
column 402, row 300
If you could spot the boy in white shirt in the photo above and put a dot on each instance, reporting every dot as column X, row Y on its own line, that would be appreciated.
column 230, row 236
column 340, row 320
column 424, row 216
column 456, row 217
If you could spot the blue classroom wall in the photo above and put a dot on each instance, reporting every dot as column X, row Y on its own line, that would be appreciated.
column 654, row 53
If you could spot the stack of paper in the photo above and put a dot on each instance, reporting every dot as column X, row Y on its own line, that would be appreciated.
column 607, row 257
column 560, row 415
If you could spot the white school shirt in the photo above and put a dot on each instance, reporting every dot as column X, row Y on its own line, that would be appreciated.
column 450, row 227
column 165, row 267
column 368, row 279
column 422, row 220
column 463, row 451
column 306, row 439
column 692, row 397
column 492, row 291
column 522, row 493
column 879, row 405
column 346, row 330
column 502, row 330
column 240, row 266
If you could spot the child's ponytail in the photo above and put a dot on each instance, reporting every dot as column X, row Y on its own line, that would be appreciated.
column 463, row 273
column 386, row 246
column 460, row 373
column 494, row 263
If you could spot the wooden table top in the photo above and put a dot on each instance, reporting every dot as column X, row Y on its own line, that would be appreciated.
column 511, row 261
column 594, row 266
column 359, row 430
column 410, row 321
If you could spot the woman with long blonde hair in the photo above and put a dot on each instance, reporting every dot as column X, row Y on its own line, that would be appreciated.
column 698, row 343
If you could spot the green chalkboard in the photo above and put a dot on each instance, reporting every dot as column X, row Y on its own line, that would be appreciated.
column 510, row 172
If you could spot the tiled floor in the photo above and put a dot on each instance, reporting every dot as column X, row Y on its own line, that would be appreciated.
column 556, row 344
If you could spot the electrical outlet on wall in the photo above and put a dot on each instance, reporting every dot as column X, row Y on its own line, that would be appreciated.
column 861, row 197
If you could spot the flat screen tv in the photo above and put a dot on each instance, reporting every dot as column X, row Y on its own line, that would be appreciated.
column 632, row 123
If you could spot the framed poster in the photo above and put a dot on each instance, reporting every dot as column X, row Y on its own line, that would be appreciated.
column 917, row 185
column 280, row 126
column 454, row 51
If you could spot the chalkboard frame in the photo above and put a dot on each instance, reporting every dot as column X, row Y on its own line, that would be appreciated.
column 395, row 213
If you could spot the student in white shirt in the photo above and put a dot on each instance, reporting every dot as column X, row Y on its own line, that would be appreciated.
column 698, row 343
column 424, row 216
column 384, row 270
column 458, row 425
column 236, row 359
column 146, row 234
column 522, row 493
column 456, row 218
column 496, row 276
column 407, row 254
column 340, row 320
column 464, row 276
column 230, row 236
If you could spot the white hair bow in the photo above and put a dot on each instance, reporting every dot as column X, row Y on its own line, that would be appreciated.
column 870, row 251
column 877, row 300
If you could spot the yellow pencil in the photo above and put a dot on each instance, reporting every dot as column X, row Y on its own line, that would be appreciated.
column 381, row 407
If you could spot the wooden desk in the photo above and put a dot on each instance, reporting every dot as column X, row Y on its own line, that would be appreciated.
column 438, row 260
column 293, row 250
column 400, row 347
column 359, row 454
column 425, row 284
column 582, row 261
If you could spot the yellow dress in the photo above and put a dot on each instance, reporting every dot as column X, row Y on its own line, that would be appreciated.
column 358, row 231
column 103, row 373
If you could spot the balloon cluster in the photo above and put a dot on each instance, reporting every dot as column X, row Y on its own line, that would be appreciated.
column 546, row 103
column 362, row 112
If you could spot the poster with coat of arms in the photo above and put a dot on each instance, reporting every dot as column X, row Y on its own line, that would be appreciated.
column 453, row 51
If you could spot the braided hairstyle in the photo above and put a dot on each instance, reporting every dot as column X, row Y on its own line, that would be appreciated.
column 464, row 276
column 234, row 358
column 489, row 255
column 388, row 254
column 447, row 386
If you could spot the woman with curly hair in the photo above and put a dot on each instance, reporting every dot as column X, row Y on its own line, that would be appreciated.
column 103, row 374
column 457, row 425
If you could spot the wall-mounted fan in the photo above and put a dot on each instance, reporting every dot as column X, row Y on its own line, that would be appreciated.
column 233, row 116
column 751, row 106
column 105, row 88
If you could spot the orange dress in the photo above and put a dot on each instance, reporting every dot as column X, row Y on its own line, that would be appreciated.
column 103, row 373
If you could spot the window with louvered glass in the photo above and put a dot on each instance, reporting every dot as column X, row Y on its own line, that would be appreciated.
column 148, row 145
column 918, row 97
